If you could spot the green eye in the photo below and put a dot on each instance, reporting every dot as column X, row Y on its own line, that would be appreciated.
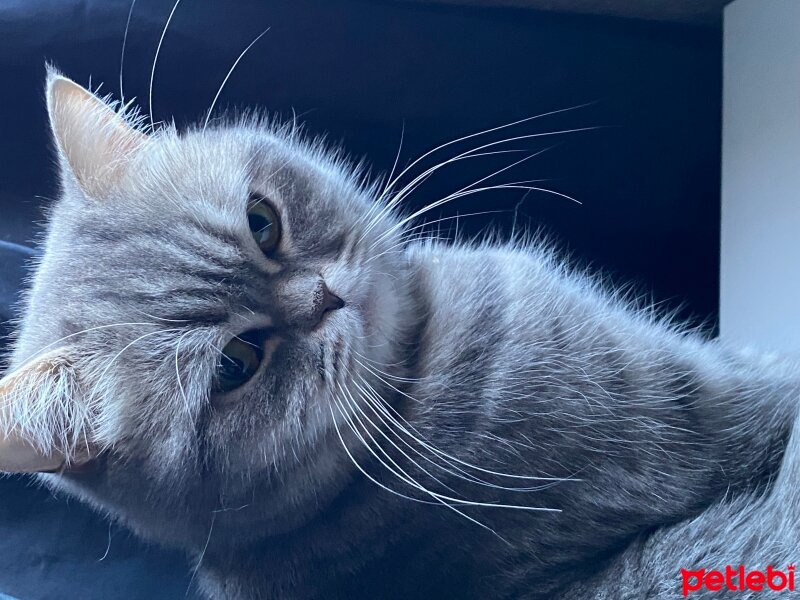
column 240, row 360
column 264, row 223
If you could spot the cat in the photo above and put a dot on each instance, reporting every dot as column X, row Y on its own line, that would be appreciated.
column 233, row 345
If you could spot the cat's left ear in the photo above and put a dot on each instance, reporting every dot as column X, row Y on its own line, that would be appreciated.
column 94, row 142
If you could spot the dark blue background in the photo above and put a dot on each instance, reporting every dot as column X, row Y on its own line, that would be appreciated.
column 360, row 72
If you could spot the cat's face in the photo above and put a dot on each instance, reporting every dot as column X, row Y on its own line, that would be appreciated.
column 201, row 299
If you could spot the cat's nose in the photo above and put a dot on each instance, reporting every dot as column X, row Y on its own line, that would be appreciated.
column 328, row 302
column 302, row 299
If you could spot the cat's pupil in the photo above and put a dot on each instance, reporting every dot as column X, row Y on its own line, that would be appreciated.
column 260, row 226
column 240, row 360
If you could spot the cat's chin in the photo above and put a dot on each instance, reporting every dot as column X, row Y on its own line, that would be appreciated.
column 305, row 493
column 270, row 506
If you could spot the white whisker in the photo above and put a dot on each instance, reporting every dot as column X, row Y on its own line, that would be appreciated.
column 41, row 350
column 178, row 375
column 391, row 183
column 230, row 72
column 110, row 363
column 374, row 401
column 122, row 52
column 356, row 463
column 438, row 500
column 155, row 60
column 448, row 456
column 355, row 405
column 199, row 562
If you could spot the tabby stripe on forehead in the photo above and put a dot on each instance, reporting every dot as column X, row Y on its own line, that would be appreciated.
column 173, row 296
column 200, row 310
column 222, row 242
column 200, row 316
column 214, row 278
column 222, row 237
column 222, row 250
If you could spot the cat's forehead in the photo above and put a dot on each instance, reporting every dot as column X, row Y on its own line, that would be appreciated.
column 206, row 165
column 222, row 167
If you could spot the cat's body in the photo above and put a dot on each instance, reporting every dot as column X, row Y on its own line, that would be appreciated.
column 534, row 370
column 406, row 392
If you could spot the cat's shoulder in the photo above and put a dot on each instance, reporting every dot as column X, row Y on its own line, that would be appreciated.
column 484, row 255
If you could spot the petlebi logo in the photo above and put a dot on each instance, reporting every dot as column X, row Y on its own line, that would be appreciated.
column 738, row 579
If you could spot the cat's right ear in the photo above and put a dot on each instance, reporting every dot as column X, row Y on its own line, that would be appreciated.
column 95, row 143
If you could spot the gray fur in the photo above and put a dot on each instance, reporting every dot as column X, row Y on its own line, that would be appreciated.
column 478, row 375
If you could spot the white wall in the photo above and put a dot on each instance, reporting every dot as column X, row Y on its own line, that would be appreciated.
column 760, row 258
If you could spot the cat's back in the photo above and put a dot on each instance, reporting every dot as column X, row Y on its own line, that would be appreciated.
column 523, row 297
column 481, row 306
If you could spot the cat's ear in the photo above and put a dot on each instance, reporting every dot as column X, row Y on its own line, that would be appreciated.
column 94, row 141
column 43, row 422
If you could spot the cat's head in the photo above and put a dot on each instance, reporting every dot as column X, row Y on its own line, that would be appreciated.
column 202, row 299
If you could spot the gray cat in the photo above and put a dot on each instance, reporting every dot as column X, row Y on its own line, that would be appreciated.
column 233, row 346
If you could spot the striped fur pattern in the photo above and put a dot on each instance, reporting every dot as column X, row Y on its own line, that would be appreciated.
column 479, row 421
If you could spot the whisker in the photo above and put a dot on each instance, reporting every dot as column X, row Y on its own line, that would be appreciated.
column 469, row 192
column 399, row 151
column 444, row 454
column 455, row 195
column 411, row 482
column 355, row 405
column 108, row 547
column 408, row 189
column 111, row 362
column 466, row 155
column 178, row 376
column 122, row 52
column 391, row 183
column 230, row 72
column 373, row 401
column 155, row 60
column 41, row 350
column 356, row 463
column 449, row 501
column 196, row 567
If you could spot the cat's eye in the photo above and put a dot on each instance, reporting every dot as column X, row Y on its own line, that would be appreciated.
column 239, row 361
column 264, row 223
